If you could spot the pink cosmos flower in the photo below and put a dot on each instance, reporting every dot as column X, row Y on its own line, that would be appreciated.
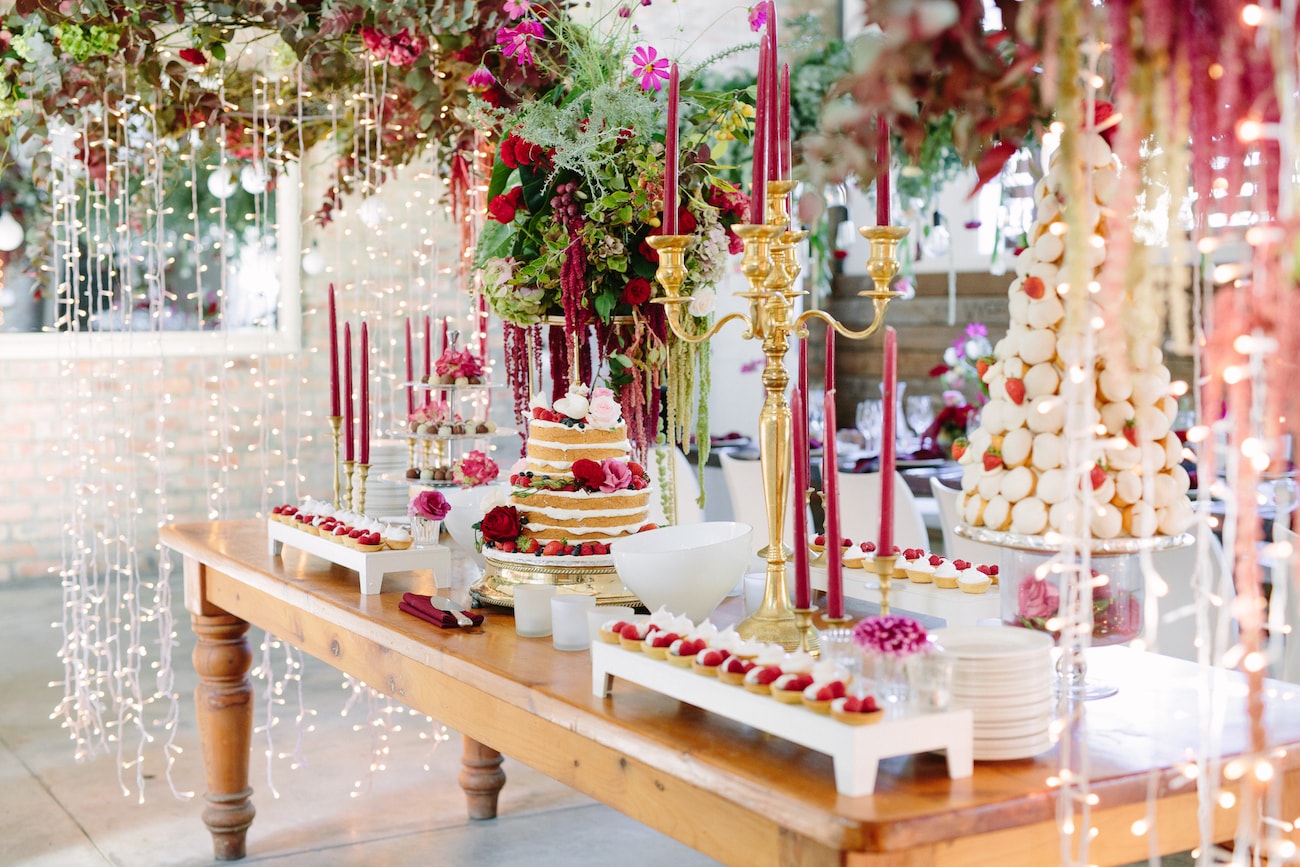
column 514, row 41
column 757, row 17
column 518, row 8
column 651, row 69
column 617, row 476
column 481, row 77
column 625, row 11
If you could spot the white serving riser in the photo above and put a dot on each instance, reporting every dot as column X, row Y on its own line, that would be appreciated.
column 370, row 567
column 855, row 749
column 955, row 607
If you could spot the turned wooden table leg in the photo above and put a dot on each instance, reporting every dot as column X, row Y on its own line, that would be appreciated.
column 481, row 778
column 224, row 701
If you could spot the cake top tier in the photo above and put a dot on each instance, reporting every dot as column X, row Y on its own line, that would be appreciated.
column 581, row 407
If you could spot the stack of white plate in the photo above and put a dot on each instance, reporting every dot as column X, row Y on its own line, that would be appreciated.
column 1005, row 676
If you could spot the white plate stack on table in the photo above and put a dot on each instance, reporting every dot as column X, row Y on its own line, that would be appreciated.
column 1005, row 676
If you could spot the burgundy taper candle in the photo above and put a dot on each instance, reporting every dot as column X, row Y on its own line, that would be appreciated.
column 802, row 585
column 347, row 391
column 801, row 380
column 831, row 500
column 410, row 372
column 364, row 453
column 783, row 123
column 442, row 347
column 334, row 357
column 758, row 173
column 882, row 180
column 887, row 426
column 669, row 221
column 428, row 356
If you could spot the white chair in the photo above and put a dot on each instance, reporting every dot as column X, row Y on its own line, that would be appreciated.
column 745, row 487
column 671, row 471
column 955, row 547
column 1197, row 581
column 860, row 511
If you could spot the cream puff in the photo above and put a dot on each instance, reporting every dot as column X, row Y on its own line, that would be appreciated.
column 1041, row 380
column 1114, row 383
column 991, row 483
column 1107, row 523
column 1029, row 517
column 1115, row 414
column 1016, row 446
column 1046, row 415
column 1018, row 484
column 1048, row 451
column 973, row 510
column 1051, row 487
column 1045, row 312
column 1128, row 487
column 1048, row 247
column 1037, row 345
column 1139, row 520
column 1152, row 424
column 997, row 513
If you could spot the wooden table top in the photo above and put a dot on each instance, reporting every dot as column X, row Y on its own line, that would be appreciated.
column 1137, row 742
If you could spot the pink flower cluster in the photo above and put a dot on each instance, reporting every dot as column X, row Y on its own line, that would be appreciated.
column 457, row 363
column 400, row 49
column 891, row 634
column 433, row 412
column 516, row 41
column 474, row 469
column 429, row 504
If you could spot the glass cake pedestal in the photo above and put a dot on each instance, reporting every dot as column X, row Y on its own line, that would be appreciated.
column 1032, row 593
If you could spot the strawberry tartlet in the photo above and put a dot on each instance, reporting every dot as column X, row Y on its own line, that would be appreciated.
column 857, row 711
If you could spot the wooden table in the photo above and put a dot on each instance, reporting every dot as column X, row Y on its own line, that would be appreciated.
column 735, row 794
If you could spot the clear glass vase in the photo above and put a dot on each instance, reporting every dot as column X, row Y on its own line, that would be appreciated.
column 425, row 531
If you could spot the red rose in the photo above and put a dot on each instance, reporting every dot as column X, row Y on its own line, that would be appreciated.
column 686, row 224
column 193, row 55
column 502, row 524
column 1100, row 113
column 503, row 207
column 588, row 473
column 735, row 246
column 507, row 152
column 636, row 292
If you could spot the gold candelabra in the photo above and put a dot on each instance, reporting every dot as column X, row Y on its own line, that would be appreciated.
column 336, row 421
column 359, row 491
column 771, row 268
column 348, row 467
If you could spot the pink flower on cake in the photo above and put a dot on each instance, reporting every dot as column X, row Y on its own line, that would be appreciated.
column 429, row 504
column 474, row 469
column 617, row 476
column 1038, row 598
column 601, row 391
column 604, row 411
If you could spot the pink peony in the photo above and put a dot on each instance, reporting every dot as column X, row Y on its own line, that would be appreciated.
column 1038, row 598
column 429, row 504
column 617, row 476
column 604, row 411
column 474, row 469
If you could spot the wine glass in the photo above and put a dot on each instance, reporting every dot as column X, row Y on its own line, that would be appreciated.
column 918, row 411
column 870, row 417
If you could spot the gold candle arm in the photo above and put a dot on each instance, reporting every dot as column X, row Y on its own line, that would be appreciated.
column 882, row 267
column 671, row 274
column 336, row 422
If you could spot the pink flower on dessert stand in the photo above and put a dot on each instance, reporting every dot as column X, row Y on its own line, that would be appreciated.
column 651, row 69
column 474, row 469
column 1037, row 599
column 429, row 504
column 458, row 363
column 890, row 634
column 617, row 476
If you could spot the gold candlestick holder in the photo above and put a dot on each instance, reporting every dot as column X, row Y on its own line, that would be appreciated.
column 803, row 621
column 883, row 565
column 359, row 493
column 771, row 268
column 347, row 482
column 336, row 424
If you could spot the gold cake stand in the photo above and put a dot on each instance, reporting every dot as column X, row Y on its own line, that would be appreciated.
column 501, row 577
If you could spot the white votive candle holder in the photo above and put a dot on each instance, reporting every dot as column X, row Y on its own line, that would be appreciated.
column 569, row 621
column 533, row 609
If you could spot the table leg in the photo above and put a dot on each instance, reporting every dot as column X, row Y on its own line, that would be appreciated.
column 224, row 703
column 481, row 778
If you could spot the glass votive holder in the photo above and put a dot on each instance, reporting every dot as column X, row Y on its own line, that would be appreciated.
column 888, row 674
column 533, row 609
column 424, row 531
column 569, row 621
column 604, row 614
column 929, row 679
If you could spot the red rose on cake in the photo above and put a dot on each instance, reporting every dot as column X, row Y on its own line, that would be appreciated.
column 502, row 524
column 588, row 473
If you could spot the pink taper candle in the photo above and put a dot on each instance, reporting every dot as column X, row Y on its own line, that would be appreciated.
column 758, row 174
column 442, row 347
column 428, row 356
column 334, row 357
column 410, row 372
column 802, row 587
column 887, row 426
column 347, row 391
column 670, row 157
column 772, row 148
column 830, row 493
column 882, row 181
column 364, row 455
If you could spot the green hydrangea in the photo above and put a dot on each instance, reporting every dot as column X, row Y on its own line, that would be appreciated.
column 83, row 43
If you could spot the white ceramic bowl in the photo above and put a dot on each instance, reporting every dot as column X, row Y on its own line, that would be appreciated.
column 688, row 569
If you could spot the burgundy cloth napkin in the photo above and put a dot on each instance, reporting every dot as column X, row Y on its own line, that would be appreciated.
column 421, row 607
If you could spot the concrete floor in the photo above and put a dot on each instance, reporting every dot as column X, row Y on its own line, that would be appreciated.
column 57, row 813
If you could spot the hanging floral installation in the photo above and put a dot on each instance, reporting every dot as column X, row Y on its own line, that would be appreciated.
column 577, row 186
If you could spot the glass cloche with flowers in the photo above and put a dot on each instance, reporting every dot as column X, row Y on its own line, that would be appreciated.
column 577, row 187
